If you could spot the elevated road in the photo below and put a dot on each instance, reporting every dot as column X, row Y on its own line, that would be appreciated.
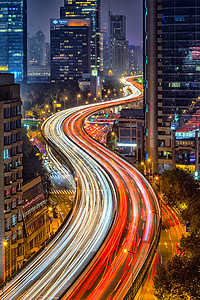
column 115, row 209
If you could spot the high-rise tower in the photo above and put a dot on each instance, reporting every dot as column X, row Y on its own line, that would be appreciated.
column 13, row 37
column 118, row 46
column 88, row 9
column 172, row 72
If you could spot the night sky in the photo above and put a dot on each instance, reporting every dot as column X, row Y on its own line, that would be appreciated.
column 40, row 13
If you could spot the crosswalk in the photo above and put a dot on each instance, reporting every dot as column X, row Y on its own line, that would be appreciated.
column 62, row 192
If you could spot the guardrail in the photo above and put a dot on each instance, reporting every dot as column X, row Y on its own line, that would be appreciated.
column 142, row 274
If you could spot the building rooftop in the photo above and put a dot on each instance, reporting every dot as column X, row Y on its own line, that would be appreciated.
column 130, row 113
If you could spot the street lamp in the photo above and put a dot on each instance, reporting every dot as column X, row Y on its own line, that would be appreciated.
column 89, row 95
column 131, row 252
column 65, row 102
column 78, row 98
column 149, row 160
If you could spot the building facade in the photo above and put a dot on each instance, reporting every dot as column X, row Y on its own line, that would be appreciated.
column 35, row 216
column 131, row 133
column 171, row 68
column 91, row 10
column 11, row 202
column 135, row 60
column 118, row 46
column 37, row 49
column 13, row 36
column 70, row 49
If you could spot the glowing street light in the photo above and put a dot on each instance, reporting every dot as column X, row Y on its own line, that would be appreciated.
column 78, row 98
column 131, row 252
column 5, row 243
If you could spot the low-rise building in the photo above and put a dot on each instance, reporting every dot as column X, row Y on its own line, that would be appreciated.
column 131, row 133
column 35, row 216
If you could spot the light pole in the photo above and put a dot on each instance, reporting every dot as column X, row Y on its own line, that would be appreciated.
column 131, row 252
column 5, row 244
column 150, row 168
column 65, row 102
column 46, row 109
column 89, row 95
column 78, row 98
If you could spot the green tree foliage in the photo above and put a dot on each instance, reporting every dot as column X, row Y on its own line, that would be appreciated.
column 32, row 165
column 112, row 138
column 178, row 187
column 180, row 279
column 46, row 93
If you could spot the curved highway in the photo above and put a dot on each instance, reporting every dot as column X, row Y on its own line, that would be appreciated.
column 116, row 209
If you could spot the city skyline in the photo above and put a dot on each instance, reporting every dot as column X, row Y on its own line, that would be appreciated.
column 42, row 12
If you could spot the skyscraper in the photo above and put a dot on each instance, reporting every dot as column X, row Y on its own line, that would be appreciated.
column 135, row 59
column 37, row 49
column 13, row 37
column 118, row 46
column 87, row 9
column 11, row 223
column 172, row 73
column 70, row 49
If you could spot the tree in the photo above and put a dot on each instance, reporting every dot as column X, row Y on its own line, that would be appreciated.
column 32, row 165
column 178, row 186
column 180, row 279
column 192, row 213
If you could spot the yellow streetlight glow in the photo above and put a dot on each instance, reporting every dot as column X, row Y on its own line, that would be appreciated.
column 5, row 243
column 112, row 133
column 47, row 106
column 76, row 178
column 148, row 160
column 125, row 250
column 50, row 208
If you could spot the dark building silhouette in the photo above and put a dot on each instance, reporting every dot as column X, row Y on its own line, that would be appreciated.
column 118, row 46
column 13, row 37
column 37, row 49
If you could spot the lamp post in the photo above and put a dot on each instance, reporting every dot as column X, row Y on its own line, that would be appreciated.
column 89, row 95
column 46, row 109
column 65, row 102
column 78, row 98
column 150, row 168
column 145, row 168
column 5, row 244
column 131, row 252
column 54, row 106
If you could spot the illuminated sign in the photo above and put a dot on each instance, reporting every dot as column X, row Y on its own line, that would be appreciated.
column 3, row 68
column 126, row 145
column 94, row 72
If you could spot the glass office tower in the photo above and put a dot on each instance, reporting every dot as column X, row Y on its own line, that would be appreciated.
column 13, row 37
column 172, row 73
column 180, row 60
column 70, row 49
column 88, row 9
